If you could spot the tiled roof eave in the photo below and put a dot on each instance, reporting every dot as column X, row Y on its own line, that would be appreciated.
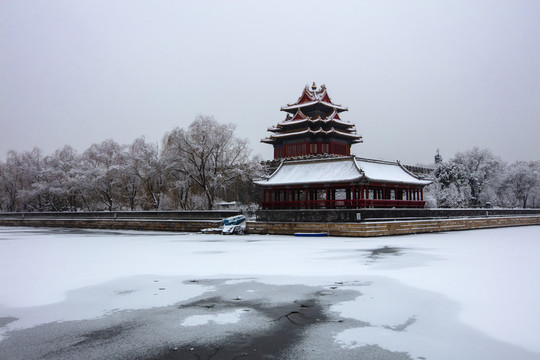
column 311, row 103
column 316, row 132
column 287, row 123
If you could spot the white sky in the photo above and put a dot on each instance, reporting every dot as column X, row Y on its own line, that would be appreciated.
column 416, row 75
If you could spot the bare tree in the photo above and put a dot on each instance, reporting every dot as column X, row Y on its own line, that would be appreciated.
column 521, row 180
column 196, row 167
column 209, row 155
column 144, row 162
column 101, row 170
column 130, row 182
column 58, row 184
column 177, row 168
column 18, row 178
column 483, row 170
column 11, row 184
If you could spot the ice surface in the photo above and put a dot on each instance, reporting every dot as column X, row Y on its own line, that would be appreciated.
column 426, row 298
column 220, row 319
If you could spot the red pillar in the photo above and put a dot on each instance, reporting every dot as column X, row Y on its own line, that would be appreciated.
column 328, row 196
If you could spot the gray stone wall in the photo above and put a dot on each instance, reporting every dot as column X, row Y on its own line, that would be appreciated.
column 356, row 215
column 147, row 215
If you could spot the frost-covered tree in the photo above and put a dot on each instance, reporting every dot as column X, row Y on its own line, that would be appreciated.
column 129, row 181
column 471, row 178
column 31, row 163
column 450, row 188
column 4, row 188
column 58, row 184
column 177, row 169
column 520, row 184
column 209, row 156
column 144, row 162
column 18, row 176
column 11, row 182
column 244, row 190
column 483, row 170
column 100, row 174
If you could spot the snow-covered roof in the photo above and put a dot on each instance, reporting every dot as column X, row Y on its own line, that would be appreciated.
column 314, row 171
column 387, row 171
column 301, row 124
column 313, row 96
column 318, row 131
column 339, row 169
column 300, row 118
column 306, row 104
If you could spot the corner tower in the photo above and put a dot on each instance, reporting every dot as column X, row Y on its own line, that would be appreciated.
column 312, row 126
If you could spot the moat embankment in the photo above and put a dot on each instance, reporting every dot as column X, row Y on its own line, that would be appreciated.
column 354, row 222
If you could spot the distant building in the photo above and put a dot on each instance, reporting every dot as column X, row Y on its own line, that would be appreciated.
column 438, row 158
column 316, row 170
column 226, row 205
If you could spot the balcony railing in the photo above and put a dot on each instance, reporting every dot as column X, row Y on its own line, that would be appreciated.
column 341, row 204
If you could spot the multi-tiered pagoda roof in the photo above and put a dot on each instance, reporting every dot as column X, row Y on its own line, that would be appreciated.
column 307, row 180
column 312, row 126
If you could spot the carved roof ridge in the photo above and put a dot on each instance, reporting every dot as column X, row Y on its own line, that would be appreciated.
column 314, row 96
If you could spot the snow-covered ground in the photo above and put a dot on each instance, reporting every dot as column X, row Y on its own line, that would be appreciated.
column 456, row 295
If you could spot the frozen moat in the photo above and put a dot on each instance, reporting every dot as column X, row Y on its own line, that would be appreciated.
column 73, row 294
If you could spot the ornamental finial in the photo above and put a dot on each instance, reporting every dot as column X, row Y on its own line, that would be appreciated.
column 314, row 87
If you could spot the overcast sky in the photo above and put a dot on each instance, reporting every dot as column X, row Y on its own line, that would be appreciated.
column 415, row 75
